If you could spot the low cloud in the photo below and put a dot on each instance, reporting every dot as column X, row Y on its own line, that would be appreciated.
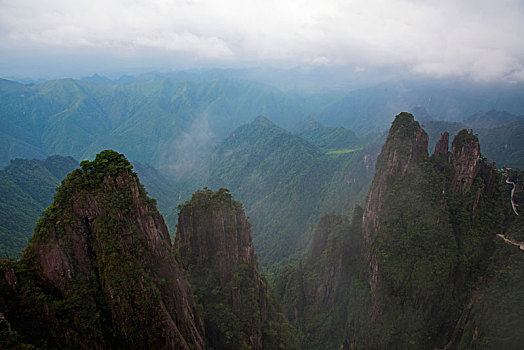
column 479, row 40
column 185, row 155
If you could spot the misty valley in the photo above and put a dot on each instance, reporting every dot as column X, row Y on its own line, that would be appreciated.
column 209, row 210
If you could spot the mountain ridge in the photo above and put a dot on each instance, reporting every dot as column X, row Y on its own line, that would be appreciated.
column 431, row 269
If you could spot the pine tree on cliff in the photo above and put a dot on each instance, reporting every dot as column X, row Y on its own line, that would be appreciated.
column 99, row 272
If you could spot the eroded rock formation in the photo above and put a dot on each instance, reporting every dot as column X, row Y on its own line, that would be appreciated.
column 465, row 158
column 214, row 242
column 441, row 148
column 406, row 145
column 104, row 274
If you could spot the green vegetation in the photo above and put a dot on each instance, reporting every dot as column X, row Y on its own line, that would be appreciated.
column 464, row 138
column 428, row 237
column 315, row 291
column 330, row 138
column 496, row 317
column 433, row 272
column 27, row 187
column 417, row 254
column 89, row 278
column 285, row 184
column 146, row 119
column 108, row 162
column 213, row 243
column 342, row 151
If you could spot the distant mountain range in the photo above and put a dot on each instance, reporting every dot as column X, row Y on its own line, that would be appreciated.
column 183, row 133
column 165, row 119
column 287, row 181
column 151, row 121
column 370, row 109
column 433, row 259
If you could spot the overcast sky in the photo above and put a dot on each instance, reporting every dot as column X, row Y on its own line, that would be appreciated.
column 474, row 39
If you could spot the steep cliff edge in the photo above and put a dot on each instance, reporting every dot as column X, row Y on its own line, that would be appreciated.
column 493, row 317
column 318, row 291
column 429, row 229
column 399, row 161
column 437, row 265
column 99, row 272
column 465, row 158
column 214, row 243
column 442, row 145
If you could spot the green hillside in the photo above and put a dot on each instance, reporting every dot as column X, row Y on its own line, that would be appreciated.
column 285, row 183
column 147, row 119
column 27, row 187
column 331, row 138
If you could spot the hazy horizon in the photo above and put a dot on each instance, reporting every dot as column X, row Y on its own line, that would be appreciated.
column 477, row 41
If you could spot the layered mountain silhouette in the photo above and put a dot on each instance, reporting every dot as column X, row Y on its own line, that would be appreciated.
column 432, row 259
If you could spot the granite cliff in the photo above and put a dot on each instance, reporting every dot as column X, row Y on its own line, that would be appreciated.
column 439, row 264
column 99, row 272
column 214, row 243
column 317, row 290
column 465, row 158
column 433, row 260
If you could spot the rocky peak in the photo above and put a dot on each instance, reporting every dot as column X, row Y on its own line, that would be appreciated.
column 214, row 243
column 406, row 143
column 405, row 146
column 441, row 148
column 102, row 248
column 321, row 236
column 465, row 159
column 213, row 230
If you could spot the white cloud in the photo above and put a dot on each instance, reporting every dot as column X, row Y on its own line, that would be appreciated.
column 481, row 39
column 200, row 46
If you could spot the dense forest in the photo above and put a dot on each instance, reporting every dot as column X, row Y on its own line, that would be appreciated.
column 250, row 175
column 339, row 235
column 432, row 259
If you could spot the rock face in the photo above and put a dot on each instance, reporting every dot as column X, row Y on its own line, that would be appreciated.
column 104, row 269
column 465, row 158
column 441, row 148
column 334, row 247
column 428, row 227
column 432, row 271
column 405, row 145
column 316, row 292
column 214, row 243
column 213, row 230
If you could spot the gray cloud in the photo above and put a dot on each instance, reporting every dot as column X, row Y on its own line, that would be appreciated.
column 479, row 40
